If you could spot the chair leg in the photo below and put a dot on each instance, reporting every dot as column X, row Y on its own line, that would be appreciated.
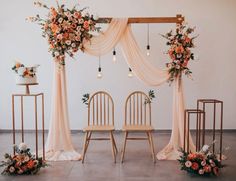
column 124, row 147
column 112, row 147
column 152, row 145
column 84, row 147
column 149, row 142
column 88, row 140
column 114, row 143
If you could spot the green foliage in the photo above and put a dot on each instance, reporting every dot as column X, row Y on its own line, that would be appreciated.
column 151, row 96
column 85, row 99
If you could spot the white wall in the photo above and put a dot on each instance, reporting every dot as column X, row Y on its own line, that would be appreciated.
column 214, row 73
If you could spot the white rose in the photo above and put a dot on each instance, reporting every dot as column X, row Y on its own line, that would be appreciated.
column 201, row 171
column 203, row 163
column 188, row 164
column 205, row 148
column 78, row 28
column 21, row 71
column 96, row 17
column 23, row 146
column 68, row 42
column 56, row 53
column 177, row 67
column 73, row 45
column 26, row 159
column 11, row 169
column 81, row 21
column 60, row 20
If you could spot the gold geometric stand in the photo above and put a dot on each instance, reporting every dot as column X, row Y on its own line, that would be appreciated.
column 35, row 96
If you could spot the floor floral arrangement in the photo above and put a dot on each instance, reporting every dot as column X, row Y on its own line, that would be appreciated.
column 65, row 29
column 203, row 163
column 22, row 163
column 180, row 43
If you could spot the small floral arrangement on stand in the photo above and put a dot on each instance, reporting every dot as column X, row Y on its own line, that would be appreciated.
column 22, row 163
column 203, row 163
column 23, row 71
column 65, row 29
column 180, row 52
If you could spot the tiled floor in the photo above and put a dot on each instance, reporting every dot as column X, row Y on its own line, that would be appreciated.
column 138, row 165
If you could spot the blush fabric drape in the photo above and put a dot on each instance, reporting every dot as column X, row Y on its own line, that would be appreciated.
column 119, row 31
column 59, row 144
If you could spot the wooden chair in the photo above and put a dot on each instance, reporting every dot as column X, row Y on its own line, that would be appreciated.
column 138, row 119
column 100, row 119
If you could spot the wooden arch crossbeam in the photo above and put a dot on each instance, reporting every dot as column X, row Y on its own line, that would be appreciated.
column 178, row 19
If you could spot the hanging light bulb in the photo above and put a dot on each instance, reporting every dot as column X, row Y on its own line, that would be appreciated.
column 114, row 55
column 148, row 45
column 99, row 75
column 130, row 74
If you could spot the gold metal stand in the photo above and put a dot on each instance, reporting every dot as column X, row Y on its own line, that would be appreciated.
column 202, row 103
column 22, row 117
column 200, row 128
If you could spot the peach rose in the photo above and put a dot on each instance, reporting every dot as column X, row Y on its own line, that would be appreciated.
column 77, row 15
column 86, row 25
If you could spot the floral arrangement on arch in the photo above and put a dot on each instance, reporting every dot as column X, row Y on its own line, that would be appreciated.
column 23, row 71
column 65, row 29
column 180, row 53
column 22, row 163
column 203, row 163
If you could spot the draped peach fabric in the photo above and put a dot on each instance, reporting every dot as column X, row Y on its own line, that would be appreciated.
column 170, row 152
column 59, row 144
column 140, row 66
column 105, row 42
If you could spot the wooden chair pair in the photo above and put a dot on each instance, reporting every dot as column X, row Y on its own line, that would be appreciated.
column 101, row 119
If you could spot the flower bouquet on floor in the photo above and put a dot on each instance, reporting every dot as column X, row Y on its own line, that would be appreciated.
column 22, row 163
column 203, row 163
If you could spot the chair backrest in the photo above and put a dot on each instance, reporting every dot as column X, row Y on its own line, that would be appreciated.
column 137, row 112
column 100, row 109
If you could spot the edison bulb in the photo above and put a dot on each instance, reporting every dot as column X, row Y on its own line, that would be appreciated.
column 114, row 58
column 148, row 53
column 99, row 75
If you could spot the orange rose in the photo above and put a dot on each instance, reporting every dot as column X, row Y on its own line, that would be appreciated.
column 54, row 28
column 187, row 39
column 192, row 156
column 26, row 72
column 52, row 45
column 179, row 49
column 18, row 64
column 53, row 12
column 207, row 168
column 195, row 166
column 30, row 164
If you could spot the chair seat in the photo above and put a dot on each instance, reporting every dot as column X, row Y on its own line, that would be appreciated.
column 137, row 128
column 99, row 128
